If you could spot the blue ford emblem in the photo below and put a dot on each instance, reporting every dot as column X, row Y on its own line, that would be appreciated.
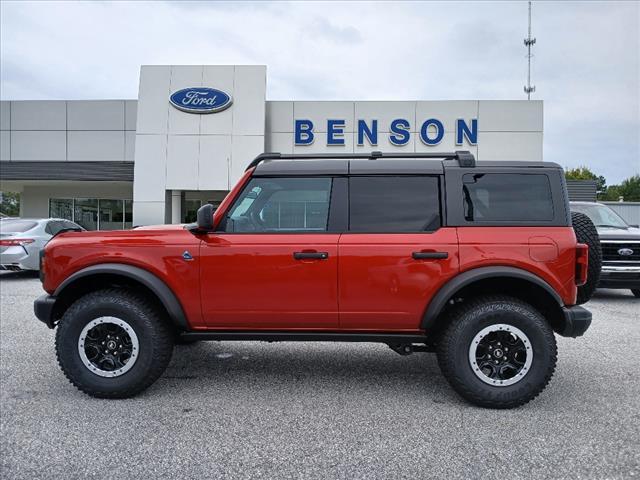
column 200, row 100
column 625, row 252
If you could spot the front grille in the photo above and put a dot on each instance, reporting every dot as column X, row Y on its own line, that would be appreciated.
column 610, row 253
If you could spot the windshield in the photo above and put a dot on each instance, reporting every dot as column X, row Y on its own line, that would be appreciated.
column 16, row 226
column 601, row 215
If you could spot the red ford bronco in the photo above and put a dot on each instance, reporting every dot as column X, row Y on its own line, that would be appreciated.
column 478, row 262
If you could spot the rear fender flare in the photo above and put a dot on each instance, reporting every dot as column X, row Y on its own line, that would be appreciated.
column 464, row 279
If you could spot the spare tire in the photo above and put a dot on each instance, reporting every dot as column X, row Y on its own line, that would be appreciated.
column 587, row 233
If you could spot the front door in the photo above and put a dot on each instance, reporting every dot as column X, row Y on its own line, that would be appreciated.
column 273, row 263
column 396, row 254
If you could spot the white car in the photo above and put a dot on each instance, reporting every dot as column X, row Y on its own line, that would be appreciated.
column 21, row 240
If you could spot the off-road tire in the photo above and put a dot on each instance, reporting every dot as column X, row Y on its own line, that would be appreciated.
column 636, row 292
column 154, row 334
column 466, row 321
column 587, row 233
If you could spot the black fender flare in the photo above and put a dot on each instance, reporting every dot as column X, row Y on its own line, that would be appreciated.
column 146, row 278
column 439, row 300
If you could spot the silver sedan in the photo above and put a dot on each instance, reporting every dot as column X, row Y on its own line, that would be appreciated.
column 21, row 240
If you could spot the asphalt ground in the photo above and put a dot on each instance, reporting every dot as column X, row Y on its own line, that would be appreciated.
column 324, row 410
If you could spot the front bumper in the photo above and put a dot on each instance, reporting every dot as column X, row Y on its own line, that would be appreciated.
column 43, row 308
column 577, row 320
column 619, row 277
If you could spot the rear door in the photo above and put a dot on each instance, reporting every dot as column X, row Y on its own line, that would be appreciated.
column 274, row 263
column 396, row 253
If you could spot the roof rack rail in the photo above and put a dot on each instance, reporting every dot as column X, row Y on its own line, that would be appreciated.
column 464, row 157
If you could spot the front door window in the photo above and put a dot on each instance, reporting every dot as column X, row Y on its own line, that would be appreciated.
column 281, row 205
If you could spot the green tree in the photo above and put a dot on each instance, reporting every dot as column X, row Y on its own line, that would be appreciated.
column 584, row 173
column 629, row 189
column 10, row 204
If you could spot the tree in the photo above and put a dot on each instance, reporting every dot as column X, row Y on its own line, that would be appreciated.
column 10, row 203
column 583, row 173
column 629, row 189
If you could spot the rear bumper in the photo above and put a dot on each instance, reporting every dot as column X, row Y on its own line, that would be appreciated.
column 43, row 308
column 12, row 258
column 619, row 277
column 576, row 321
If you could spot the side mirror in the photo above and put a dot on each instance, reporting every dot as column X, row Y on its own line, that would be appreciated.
column 205, row 218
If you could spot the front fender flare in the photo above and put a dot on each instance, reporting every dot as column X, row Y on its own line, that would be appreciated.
column 460, row 281
column 146, row 278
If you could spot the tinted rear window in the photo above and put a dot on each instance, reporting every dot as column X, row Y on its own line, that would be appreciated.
column 16, row 226
column 394, row 204
column 497, row 197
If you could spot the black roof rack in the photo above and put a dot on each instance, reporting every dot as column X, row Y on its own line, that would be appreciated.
column 464, row 157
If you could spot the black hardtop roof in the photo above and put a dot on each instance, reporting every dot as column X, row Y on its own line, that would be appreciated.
column 376, row 163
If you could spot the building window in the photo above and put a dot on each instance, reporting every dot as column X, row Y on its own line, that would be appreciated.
column 191, row 210
column 61, row 208
column 128, row 214
column 94, row 213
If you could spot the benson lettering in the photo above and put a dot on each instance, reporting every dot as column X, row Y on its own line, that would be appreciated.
column 430, row 131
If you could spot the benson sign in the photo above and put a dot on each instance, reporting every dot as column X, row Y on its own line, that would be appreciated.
column 200, row 100
column 431, row 132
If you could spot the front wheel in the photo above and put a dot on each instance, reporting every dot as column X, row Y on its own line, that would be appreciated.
column 497, row 352
column 113, row 343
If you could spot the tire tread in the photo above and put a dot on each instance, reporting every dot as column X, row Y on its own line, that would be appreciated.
column 161, row 332
column 447, row 344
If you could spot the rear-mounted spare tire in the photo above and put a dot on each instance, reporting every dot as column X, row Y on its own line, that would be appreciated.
column 587, row 233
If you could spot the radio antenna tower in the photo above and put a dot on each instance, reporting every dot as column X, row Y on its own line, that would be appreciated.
column 529, row 42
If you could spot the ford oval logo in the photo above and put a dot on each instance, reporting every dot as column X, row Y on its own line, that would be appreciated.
column 200, row 100
column 625, row 252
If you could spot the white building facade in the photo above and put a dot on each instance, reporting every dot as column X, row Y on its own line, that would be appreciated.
column 192, row 131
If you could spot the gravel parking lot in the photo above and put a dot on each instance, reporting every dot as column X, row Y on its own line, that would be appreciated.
column 324, row 410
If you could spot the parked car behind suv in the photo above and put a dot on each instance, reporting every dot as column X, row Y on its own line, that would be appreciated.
column 21, row 240
column 620, row 243
column 424, row 252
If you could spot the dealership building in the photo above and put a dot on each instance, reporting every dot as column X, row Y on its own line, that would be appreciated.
column 192, row 131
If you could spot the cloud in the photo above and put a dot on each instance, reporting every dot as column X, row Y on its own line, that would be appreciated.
column 586, row 66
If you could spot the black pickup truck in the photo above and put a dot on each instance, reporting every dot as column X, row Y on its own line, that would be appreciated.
column 620, row 244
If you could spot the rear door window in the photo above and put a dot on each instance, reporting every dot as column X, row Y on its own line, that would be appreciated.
column 507, row 197
column 388, row 204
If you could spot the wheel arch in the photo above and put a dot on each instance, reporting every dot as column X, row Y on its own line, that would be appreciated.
column 513, row 281
column 109, row 274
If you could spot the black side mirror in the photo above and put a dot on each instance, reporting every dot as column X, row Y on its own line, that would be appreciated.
column 205, row 218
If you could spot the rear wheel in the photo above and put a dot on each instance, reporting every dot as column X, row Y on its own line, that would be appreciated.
column 587, row 233
column 497, row 352
column 636, row 292
column 113, row 343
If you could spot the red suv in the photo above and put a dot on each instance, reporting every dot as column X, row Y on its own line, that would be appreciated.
column 478, row 262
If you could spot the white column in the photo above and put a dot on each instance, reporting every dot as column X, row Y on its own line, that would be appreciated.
column 176, row 206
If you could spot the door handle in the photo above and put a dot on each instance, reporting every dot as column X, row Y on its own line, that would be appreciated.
column 429, row 255
column 310, row 255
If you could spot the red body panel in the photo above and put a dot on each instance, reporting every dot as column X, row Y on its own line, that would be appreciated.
column 549, row 252
column 157, row 250
column 382, row 287
column 253, row 281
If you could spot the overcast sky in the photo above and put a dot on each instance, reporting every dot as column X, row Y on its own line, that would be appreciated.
column 586, row 66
